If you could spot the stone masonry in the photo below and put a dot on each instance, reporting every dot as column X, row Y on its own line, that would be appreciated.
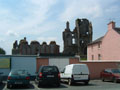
column 23, row 48
column 75, row 42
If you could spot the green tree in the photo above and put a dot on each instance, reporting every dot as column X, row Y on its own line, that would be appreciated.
column 2, row 51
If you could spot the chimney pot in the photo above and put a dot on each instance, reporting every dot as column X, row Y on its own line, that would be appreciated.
column 111, row 25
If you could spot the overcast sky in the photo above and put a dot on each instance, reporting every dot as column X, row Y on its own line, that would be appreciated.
column 44, row 20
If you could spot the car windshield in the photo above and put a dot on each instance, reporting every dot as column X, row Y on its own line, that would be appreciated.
column 19, row 72
column 115, row 71
column 50, row 69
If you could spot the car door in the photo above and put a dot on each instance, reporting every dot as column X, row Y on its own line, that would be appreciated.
column 62, row 74
column 107, row 74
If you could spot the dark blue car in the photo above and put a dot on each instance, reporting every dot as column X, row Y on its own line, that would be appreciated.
column 48, row 75
column 1, row 77
column 18, row 77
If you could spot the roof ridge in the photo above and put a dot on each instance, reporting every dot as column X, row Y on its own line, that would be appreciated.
column 97, row 40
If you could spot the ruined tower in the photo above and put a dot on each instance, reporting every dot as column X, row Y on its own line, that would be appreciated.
column 75, row 42
column 67, row 38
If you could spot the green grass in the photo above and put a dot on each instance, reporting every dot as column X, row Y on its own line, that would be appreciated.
column 84, row 58
column 4, row 63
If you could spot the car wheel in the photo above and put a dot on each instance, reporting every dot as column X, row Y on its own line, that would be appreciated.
column 58, row 85
column 86, row 83
column 39, row 84
column 69, row 82
column 115, row 80
column 27, row 86
column 103, row 79
column 8, row 86
column 1, row 82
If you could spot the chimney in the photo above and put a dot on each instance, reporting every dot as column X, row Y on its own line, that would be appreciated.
column 25, row 38
column 111, row 25
column 67, row 25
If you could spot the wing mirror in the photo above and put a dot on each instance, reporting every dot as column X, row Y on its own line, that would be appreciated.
column 62, row 72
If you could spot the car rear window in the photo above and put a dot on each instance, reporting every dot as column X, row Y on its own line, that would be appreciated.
column 19, row 72
column 115, row 70
column 49, row 69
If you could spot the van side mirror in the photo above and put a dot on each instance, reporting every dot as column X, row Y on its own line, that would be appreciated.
column 62, row 72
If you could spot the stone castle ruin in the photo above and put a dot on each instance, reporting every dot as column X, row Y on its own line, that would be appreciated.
column 23, row 48
column 75, row 42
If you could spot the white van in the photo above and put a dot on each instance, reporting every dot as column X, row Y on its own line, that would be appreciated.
column 75, row 73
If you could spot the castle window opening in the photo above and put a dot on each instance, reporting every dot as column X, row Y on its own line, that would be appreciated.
column 87, row 33
column 73, row 41
column 82, row 41
column 98, row 45
column 72, row 35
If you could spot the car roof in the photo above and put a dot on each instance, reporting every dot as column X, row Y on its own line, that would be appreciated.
column 18, row 70
column 111, row 68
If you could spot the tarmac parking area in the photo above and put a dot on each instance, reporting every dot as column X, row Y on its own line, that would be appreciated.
column 93, row 85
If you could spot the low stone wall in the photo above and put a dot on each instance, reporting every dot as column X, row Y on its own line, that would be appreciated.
column 95, row 68
column 40, row 62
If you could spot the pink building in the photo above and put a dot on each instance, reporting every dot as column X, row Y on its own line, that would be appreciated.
column 106, row 47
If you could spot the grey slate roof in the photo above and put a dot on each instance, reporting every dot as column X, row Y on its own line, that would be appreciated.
column 117, row 30
column 97, row 40
column 100, row 39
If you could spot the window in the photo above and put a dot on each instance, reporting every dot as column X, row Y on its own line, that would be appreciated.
column 107, row 71
column 50, row 69
column 115, row 71
column 82, row 41
column 73, row 35
column 73, row 41
column 87, row 33
column 99, row 57
column 98, row 45
column 92, row 47
column 92, row 57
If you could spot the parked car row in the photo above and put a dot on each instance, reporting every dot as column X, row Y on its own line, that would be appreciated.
column 51, row 75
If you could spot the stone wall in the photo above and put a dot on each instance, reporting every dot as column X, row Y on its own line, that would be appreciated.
column 23, row 48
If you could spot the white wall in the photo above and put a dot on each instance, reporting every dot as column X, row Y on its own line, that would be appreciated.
column 27, row 63
column 59, row 62
column 5, row 71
